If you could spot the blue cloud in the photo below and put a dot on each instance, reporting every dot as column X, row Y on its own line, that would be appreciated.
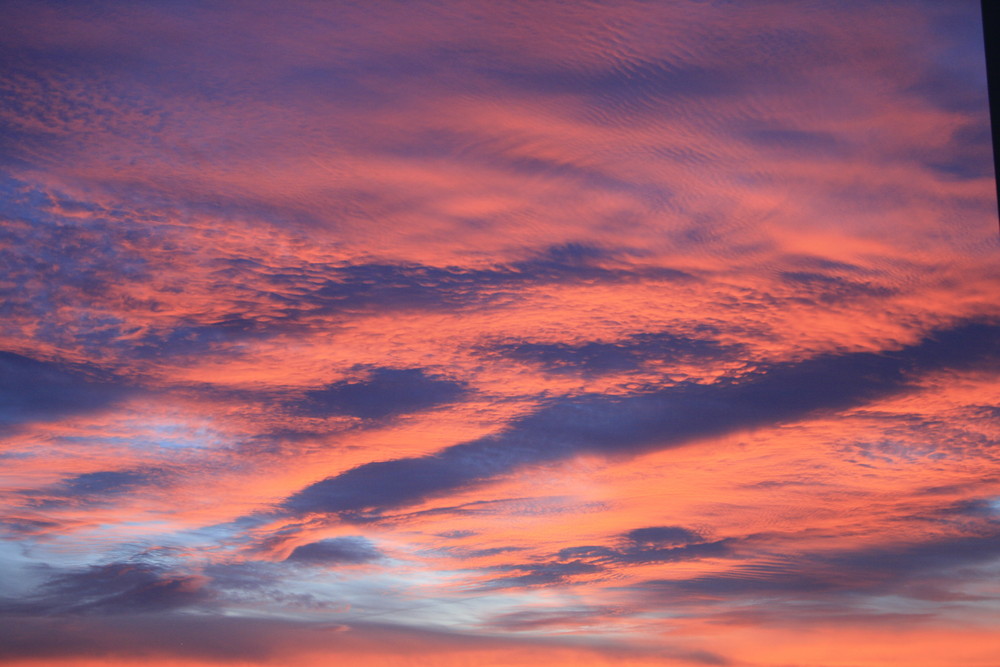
column 114, row 588
column 623, row 355
column 658, row 419
column 336, row 551
column 387, row 392
column 32, row 390
column 663, row 535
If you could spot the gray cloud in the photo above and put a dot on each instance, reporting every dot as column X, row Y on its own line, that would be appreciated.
column 37, row 391
column 336, row 551
column 114, row 588
column 387, row 392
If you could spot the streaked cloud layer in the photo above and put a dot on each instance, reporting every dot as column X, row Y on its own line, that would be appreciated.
column 498, row 333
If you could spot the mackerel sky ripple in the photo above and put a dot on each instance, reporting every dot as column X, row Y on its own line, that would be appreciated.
column 498, row 333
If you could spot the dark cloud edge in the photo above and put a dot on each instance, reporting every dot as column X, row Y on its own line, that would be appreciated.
column 658, row 419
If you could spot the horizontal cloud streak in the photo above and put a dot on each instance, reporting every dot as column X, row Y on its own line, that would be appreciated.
column 657, row 419
column 336, row 551
column 387, row 392
column 32, row 390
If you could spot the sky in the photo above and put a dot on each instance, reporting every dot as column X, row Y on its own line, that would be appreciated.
column 462, row 333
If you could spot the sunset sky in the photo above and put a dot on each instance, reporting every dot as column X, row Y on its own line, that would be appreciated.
column 494, row 333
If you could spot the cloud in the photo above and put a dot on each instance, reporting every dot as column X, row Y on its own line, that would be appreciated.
column 387, row 392
column 542, row 574
column 94, row 488
column 636, row 85
column 138, row 636
column 240, row 638
column 842, row 581
column 812, row 143
column 657, row 544
column 663, row 535
column 588, row 552
column 965, row 156
column 310, row 245
column 988, row 508
column 892, row 563
column 655, row 420
column 665, row 541
column 564, row 616
column 190, row 339
column 37, row 391
column 951, row 90
column 114, row 588
column 627, row 354
column 254, row 300
column 823, row 288
column 24, row 526
column 336, row 551
column 107, row 482
column 644, row 554
column 357, row 287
